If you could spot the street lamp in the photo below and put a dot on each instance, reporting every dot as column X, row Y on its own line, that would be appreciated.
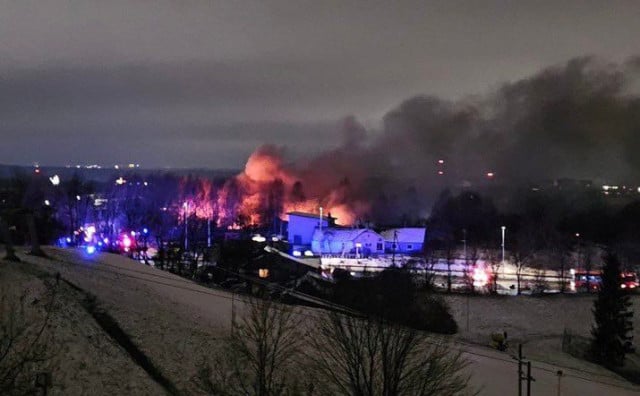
column 258, row 238
column 186, row 225
column 503, row 232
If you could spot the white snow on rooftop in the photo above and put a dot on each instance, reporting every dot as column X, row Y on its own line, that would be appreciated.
column 338, row 234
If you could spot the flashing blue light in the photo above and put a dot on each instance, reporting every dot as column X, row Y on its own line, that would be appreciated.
column 91, row 249
column 99, row 243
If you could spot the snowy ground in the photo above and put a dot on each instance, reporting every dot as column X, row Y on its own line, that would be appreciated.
column 175, row 322
column 538, row 323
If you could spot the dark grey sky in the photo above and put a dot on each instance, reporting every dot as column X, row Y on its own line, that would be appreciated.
column 187, row 83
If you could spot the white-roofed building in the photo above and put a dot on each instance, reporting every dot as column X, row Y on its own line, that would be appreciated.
column 343, row 241
column 404, row 240
column 302, row 226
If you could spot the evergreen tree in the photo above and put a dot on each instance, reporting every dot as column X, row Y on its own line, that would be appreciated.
column 612, row 313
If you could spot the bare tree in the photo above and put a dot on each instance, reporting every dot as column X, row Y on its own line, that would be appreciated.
column 430, row 261
column 495, row 263
column 258, row 357
column 521, row 252
column 540, row 283
column 473, row 255
column 450, row 257
column 371, row 357
column 560, row 255
column 586, row 253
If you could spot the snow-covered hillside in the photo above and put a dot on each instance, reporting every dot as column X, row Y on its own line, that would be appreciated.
column 174, row 322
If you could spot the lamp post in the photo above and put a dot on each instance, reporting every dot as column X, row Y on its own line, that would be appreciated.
column 464, row 244
column 186, row 225
column 464, row 241
column 503, row 232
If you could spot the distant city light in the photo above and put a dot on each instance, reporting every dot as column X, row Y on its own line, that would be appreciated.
column 120, row 181
column 441, row 161
column 37, row 170
column 55, row 180
column 68, row 240
column 145, row 230
column 46, row 202
column 440, row 172
column 91, row 249
column 77, row 197
column 490, row 174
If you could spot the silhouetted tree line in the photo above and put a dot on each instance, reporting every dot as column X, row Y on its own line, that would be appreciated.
column 552, row 221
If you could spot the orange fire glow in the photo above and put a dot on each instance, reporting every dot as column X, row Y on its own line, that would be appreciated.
column 267, row 183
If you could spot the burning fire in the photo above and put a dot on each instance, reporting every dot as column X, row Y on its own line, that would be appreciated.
column 268, row 188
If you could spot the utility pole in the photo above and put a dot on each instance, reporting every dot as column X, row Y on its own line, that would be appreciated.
column 464, row 242
column 529, row 379
column 521, row 376
column 519, row 369
column 186, row 226
column 503, row 231
column 394, row 246
column 559, row 373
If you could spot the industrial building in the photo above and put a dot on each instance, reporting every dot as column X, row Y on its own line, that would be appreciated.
column 310, row 234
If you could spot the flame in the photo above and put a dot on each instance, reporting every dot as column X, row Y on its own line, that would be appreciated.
column 267, row 184
column 196, row 198
column 269, row 188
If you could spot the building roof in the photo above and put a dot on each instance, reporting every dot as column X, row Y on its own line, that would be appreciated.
column 405, row 235
column 309, row 215
column 342, row 234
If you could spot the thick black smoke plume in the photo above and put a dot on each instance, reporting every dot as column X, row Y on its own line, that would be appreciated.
column 580, row 119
